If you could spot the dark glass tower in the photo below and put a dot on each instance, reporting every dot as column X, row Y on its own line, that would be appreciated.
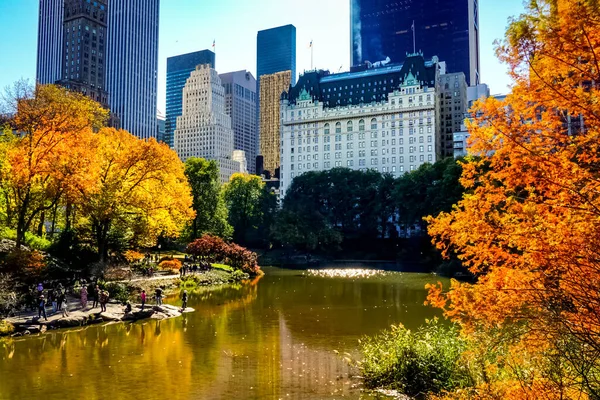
column 276, row 51
column 447, row 29
column 179, row 69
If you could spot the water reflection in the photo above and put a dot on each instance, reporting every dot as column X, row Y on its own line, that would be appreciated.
column 270, row 339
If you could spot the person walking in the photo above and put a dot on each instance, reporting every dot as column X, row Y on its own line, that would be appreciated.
column 42, row 308
column 104, row 296
column 143, row 297
column 52, row 297
column 84, row 297
column 184, row 299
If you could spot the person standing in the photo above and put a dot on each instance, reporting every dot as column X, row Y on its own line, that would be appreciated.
column 84, row 297
column 158, row 294
column 96, row 297
column 143, row 297
column 184, row 299
column 52, row 297
column 104, row 296
column 63, row 307
column 42, row 308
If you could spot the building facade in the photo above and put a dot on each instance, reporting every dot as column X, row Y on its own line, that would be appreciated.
column 271, row 88
column 84, row 49
column 204, row 128
column 132, row 62
column 160, row 128
column 241, row 103
column 384, row 118
column 453, row 107
column 50, row 42
column 447, row 29
column 179, row 69
column 276, row 51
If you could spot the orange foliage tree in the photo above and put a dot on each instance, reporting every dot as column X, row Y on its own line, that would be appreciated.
column 51, row 157
column 141, row 189
column 528, row 227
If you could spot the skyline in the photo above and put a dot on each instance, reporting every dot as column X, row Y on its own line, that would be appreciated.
column 235, row 35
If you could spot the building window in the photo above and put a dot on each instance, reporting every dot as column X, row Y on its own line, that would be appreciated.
column 350, row 163
column 361, row 125
column 326, row 128
column 374, row 124
column 349, row 127
column 338, row 128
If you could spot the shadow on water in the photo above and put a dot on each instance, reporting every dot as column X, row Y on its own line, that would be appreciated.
column 272, row 338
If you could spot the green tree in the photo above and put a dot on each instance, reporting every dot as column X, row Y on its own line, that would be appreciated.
column 211, row 212
column 243, row 194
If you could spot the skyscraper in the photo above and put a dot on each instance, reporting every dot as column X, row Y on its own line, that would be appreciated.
column 132, row 63
column 50, row 41
column 241, row 102
column 271, row 88
column 447, row 29
column 204, row 129
column 179, row 69
column 276, row 51
column 84, row 49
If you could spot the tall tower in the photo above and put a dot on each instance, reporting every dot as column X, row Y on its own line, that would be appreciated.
column 447, row 29
column 179, row 69
column 271, row 88
column 204, row 128
column 84, row 49
column 241, row 102
column 132, row 63
column 50, row 41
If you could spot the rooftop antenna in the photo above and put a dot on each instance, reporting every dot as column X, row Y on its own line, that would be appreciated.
column 311, row 55
column 414, row 38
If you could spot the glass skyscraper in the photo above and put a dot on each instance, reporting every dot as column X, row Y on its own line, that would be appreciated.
column 276, row 51
column 179, row 69
column 132, row 64
column 50, row 41
column 447, row 29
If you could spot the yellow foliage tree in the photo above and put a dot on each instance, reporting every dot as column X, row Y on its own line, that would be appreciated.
column 51, row 156
column 141, row 188
column 528, row 229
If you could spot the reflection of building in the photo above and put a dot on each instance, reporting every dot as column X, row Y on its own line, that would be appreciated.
column 132, row 63
column 240, row 104
column 179, row 69
column 271, row 87
column 385, row 118
column 447, row 29
column 204, row 129
column 453, row 106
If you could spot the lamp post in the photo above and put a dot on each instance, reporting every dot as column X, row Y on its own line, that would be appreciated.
column 159, row 253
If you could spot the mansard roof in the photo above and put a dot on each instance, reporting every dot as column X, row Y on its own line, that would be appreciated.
column 363, row 84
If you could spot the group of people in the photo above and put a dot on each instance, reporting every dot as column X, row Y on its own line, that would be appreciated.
column 194, row 267
column 56, row 296
column 158, row 297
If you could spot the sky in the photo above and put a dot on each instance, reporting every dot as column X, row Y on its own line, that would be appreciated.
column 192, row 25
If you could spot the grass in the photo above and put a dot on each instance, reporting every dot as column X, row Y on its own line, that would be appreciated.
column 223, row 267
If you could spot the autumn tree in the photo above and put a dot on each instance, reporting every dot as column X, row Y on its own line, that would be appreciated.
column 528, row 229
column 51, row 156
column 141, row 191
column 211, row 213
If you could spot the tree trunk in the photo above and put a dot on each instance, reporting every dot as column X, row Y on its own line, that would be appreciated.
column 101, row 229
column 40, row 227
column 68, row 216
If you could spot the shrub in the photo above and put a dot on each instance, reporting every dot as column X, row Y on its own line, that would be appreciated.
column 425, row 361
column 28, row 264
column 172, row 264
column 242, row 259
column 216, row 250
column 133, row 256
column 117, row 291
column 6, row 328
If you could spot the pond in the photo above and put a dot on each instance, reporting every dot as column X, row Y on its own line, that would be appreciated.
column 281, row 337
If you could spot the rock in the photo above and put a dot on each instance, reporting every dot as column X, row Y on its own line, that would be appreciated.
column 18, row 334
column 139, row 314
column 187, row 310
column 31, row 328
column 107, row 316
column 70, row 322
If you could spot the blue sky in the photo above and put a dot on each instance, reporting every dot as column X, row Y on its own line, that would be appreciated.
column 191, row 25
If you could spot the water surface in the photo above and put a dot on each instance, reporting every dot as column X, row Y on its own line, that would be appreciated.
column 275, row 338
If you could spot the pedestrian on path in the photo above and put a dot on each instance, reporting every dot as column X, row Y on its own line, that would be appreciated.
column 96, row 296
column 42, row 308
column 158, row 294
column 104, row 296
column 143, row 297
column 84, row 297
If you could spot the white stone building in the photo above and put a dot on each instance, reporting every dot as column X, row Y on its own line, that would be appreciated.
column 386, row 119
column 204, row 129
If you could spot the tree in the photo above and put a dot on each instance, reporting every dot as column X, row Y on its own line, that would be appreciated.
column 211, row 213
column 141, row 191
column 242, row 196
column 529, row 226
column 51, row 158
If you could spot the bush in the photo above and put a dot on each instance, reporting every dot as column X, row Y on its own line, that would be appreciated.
column 216, row 250
column 117, row 291
column 425, row 361
column 172, row 264
column 6, row 328
column 133, row 256
column 27, row 264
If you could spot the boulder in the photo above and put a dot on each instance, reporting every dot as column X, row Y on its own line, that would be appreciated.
column 70, row 322
column 108, row 316
column 139, row 314
column 31, row 328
